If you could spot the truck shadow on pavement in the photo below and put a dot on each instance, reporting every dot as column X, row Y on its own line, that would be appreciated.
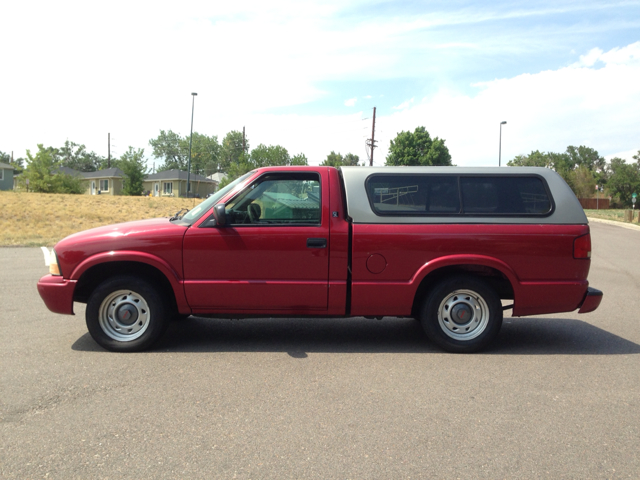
column 529, row 336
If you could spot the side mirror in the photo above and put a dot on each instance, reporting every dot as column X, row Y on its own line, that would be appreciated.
column 220, row 215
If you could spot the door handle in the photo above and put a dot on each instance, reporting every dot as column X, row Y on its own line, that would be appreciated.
column 316, row 243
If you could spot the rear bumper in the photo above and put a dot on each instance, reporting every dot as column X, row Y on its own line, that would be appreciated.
column 591, row 301
column 57, row 293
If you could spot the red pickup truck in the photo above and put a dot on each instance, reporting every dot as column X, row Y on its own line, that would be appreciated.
column 444, row 245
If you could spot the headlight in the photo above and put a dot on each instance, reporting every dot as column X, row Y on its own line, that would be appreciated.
column 51, row 260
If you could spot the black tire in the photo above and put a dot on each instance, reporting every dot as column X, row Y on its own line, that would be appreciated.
column 126, row 314
column 458, row 298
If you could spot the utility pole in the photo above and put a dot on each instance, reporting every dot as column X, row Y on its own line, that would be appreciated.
column 109, row 150
column 244, row 148
column 372, row 141
column 500, row 145
column 193, row 102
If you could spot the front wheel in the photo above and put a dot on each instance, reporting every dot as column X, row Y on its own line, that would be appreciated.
column 462, row 314
column 126, row 314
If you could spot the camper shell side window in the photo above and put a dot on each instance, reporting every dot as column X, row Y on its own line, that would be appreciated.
column 459, row 195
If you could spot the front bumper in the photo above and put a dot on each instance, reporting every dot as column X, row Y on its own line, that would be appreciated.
column 591, row 301
column 57, row 293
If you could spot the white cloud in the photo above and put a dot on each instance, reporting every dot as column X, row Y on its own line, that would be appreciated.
column 547, row 111
column 626, row 155
column 403, row 105
column 628, row 55
column 590, row 58
column 129, row 69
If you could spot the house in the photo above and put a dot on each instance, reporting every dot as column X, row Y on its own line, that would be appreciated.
column 6, row 176
column 217, row 177
column 109, row 181
column 173, row 183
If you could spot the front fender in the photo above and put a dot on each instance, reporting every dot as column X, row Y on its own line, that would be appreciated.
column 174, row 278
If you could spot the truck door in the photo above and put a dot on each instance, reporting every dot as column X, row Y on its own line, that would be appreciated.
column 271, row 256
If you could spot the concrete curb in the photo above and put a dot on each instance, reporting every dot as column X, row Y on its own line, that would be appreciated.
column 630, row 226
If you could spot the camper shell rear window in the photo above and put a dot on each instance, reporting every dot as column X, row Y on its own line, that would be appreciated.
column 468, row 195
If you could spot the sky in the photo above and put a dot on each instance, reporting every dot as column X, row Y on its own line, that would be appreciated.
column 307, row 75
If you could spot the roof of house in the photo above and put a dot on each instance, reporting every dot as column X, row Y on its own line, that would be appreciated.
column 106, row 173
column 176, row 175
column 217, row 177
column 5, row 166
column 69, row 171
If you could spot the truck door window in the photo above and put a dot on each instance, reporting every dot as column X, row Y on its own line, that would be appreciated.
column 290, row 199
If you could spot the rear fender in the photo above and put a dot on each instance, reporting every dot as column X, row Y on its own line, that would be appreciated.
column 459, row 260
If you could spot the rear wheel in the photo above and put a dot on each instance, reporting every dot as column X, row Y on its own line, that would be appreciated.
column 462, row 314
column 126, row 314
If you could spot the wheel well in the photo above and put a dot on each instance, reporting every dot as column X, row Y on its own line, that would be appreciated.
column 494, row 278
column 97, row 274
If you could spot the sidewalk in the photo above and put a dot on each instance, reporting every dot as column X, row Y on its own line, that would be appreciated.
column 631, row 226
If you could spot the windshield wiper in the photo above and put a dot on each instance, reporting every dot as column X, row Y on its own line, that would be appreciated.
column 177, row 216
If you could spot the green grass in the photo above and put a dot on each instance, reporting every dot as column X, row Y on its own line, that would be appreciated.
column 615, row 215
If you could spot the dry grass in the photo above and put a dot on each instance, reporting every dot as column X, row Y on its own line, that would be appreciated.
column 36, row 219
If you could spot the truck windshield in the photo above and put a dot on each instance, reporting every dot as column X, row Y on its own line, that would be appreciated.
column 193, row 214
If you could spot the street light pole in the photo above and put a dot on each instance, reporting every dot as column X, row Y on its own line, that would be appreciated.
column 193, row 101
column 500, row 145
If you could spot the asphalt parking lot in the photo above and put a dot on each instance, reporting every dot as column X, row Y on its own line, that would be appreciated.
column 557, row 396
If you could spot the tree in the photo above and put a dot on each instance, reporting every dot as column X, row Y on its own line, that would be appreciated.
column 583, row 182
column 418, row 149
column 134, row 167
column 589, row 158
column 333, row 160
column 236, row 169
column 42, row 171
column 73, row 155
column 581, row 167
column 624, row 179
column 232, row 149
column 351, row 160
column 168, row 147
column 269, row 156
column 39, row 170
column 534, row 159
column 17, row 164
column 206, row 155
column 337, row 160
column 299, row 159
column 261, row 156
